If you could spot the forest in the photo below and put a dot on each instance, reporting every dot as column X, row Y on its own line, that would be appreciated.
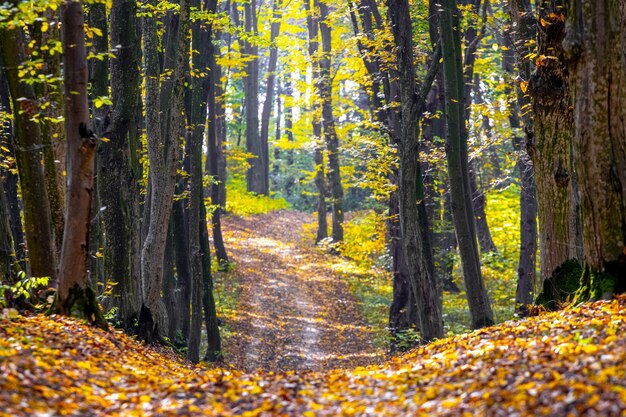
column 312, row 208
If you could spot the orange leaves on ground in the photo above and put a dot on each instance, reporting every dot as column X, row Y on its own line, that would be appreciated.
column 557, row 364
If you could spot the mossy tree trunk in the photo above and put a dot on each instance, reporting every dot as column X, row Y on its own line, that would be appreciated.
column 550, row 148
column 74, row 297
column 594, row 47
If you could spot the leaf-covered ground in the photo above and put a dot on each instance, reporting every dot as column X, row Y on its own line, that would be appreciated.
column 560, row 364
column 294, row 312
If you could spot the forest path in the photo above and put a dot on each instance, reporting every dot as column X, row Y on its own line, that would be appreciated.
column 294, row 312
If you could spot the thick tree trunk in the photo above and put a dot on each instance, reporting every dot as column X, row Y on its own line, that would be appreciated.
column 74, row 296
column 328, row 124
column 27, row 137
column 594, row 48
column 114, row 163
column 425, row 289
column 457, row 156
column 551, row 145
column 163, row 163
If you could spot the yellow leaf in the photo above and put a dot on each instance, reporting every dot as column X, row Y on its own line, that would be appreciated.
column 523, row 86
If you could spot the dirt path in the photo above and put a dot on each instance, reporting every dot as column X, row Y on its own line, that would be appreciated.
column 295, row 313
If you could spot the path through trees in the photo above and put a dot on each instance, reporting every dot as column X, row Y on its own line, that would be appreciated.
column 295, row 312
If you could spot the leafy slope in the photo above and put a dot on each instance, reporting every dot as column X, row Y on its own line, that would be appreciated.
column 559, row 364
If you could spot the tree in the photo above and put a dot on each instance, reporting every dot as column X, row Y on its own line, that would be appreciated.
column 328, row 124
column 256, row 173
column 312, row 22
column 37, row 218
column 421, row 275
column 74, row 297
column 163, row 158
column 114, row 165
column 458, row 171
column 593, row 52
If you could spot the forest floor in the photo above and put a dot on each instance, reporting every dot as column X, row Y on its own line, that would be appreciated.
column 566, row 363
column 294, row 312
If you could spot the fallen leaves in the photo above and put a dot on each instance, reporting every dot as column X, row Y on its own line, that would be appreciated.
column 558, row 364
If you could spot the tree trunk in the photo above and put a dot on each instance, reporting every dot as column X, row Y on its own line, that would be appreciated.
column 269, row 90
column 52, row 135
column 215, row 137
column 312, row 22
column 256, row 173
column 425, row 289
column 27, row 137
column 457, row 156
column 594, row 48
column 163, row 159
column 214, row 343
column 526, row 270
column 328, row 123
column 550, row 147
column 74, row 296
column 114, row 163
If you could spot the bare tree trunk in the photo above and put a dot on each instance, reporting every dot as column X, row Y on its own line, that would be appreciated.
column 457, row 156
column 74, row 297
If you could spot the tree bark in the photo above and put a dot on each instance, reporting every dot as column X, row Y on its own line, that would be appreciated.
column 163, row 163
column 37, row 218
column 425, row 289
column 551, row 146
column 457, row 157
column 526, row 270
column 328, row 124
column 594, row 48
column 269, row 90
column 74, row 296
column 114, row 166
column 256, row 173
column 215, row 137
column 312, row 21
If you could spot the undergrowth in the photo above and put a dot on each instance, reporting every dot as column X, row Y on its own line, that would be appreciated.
column 364, row 258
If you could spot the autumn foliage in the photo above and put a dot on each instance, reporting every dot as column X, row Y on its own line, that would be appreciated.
column 565, row 363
